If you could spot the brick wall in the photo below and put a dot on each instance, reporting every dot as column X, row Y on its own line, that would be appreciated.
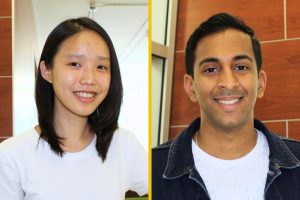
column 5, row 69
column 277, row 26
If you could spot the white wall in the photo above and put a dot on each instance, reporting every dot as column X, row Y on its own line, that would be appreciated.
column 24, row 51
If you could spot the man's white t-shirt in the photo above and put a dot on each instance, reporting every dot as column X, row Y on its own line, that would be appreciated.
column 238, row 179
column 32, row 171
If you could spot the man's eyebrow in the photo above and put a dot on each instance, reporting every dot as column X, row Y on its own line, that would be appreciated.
column 243, row 56
column 238, row 57
column 209, row 59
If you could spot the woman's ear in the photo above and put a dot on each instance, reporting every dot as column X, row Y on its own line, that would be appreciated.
column 189, row 87
column 262, row 78
column 46, row 73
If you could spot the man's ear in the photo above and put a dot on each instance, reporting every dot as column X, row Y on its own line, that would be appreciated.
column 262, row 78
column 46, row 73
column 189, row 87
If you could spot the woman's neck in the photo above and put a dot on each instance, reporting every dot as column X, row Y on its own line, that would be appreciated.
column 74, row 130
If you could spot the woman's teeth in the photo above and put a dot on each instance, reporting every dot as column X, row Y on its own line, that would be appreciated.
column 85, row 94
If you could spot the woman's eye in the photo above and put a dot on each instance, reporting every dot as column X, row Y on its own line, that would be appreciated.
column 75, row 65
column 102, row 68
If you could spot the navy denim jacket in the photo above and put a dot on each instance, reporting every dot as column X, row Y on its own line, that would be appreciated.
column 174, row 176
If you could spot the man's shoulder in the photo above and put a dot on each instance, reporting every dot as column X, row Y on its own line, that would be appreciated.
column 160, row 156
column 290, row 141
column 293, row 145
column 163, row 147
column 161, row 152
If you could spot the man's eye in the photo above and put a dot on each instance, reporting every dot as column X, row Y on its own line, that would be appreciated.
column 75, row 65
column 211, row 70
column 240, row 68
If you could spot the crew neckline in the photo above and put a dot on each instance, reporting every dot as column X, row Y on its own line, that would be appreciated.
column 199, row 153
column 90, row 149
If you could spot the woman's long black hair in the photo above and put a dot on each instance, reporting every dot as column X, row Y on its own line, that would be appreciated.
column 104, row 120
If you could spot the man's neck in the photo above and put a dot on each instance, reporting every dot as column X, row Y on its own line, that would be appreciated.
column 226, row 144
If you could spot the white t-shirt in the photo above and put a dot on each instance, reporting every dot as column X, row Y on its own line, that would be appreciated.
column 238, row 179
column 31, row 171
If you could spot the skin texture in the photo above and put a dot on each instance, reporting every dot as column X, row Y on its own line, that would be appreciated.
column 80, row 67
column 226, row 85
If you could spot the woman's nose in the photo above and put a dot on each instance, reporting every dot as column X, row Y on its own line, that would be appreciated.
column 88, row 76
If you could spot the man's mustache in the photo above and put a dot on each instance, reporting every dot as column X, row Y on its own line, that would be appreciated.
column 227, row 93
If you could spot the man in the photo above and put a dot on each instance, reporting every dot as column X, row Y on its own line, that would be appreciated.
column 230, row 155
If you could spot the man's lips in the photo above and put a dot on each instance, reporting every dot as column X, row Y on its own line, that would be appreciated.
column 228, row 100
column 229, row 103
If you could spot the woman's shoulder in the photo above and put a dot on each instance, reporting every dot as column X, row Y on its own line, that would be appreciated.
column 19, row 143
column 124, row 135
column 125, row 138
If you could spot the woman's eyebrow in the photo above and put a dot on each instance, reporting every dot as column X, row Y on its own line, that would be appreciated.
column 102, row 58
column 83, row 56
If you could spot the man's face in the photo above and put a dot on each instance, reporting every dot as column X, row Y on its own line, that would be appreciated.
column 226, row 82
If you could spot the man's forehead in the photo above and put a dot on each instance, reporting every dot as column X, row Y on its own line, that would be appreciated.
column 228, row 42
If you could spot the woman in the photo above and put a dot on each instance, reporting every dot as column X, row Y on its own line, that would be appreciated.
column 77, row 151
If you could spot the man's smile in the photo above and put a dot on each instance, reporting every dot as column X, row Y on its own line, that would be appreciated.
column 229, row 103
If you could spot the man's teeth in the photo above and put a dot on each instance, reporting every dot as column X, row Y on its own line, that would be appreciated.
column 85, row 94
column 228, row 102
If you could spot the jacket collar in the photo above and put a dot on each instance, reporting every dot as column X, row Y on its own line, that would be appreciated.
column 280, row 155
column 180, row 159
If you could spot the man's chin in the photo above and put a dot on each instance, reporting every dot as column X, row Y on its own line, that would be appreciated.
column 229, row 125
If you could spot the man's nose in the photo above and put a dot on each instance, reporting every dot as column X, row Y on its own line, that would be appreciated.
column 227, row 79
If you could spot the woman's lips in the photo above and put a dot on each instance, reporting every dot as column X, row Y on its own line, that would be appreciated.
column 85, row 96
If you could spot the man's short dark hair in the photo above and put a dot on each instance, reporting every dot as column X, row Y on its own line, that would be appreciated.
column 216, row 24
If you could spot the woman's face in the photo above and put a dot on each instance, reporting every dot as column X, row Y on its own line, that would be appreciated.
column 80, row 74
